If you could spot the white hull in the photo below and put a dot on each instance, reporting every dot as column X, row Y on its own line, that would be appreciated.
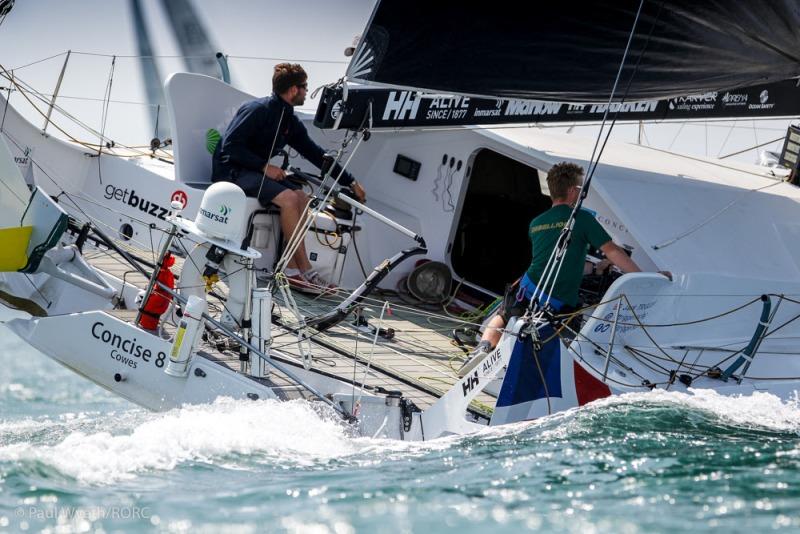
column 691, row 217
column 130, row 362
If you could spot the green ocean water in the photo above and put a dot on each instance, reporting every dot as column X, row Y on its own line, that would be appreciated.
column 74, row 458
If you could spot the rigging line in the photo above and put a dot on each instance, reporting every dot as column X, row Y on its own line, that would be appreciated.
column 645, row 357
column 38, row 61
column 25, row 89
column 686, row 323
column 349, row 327
column 152, row 245
column 127, row 56
column 563, row 242
column 793, row 319
column 44, row 298
column 725, row 141
column 652, row 367
column 714, row 163
column 399, row 309
column 24, row 94
column 355, row 353
column 639, row 354
column 783, row 295
column 593, row 166
column 130, row 56
column 632, row 309
column 781, row 138
column 8, row 99
column 601, row 350
column 330, row 61
column 90, row 99
column 711, row 218
column 542, row 378
column 300, row 230
column 719, row 363
column 309, row 215
column 106, row 98
column 71, row 197
column 34, row 162
column 22, row 201
column 269, row 154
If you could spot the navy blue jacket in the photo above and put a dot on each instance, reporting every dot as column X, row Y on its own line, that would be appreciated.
column 251, row 133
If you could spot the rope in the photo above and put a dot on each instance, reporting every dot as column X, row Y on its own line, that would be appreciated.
column 372, row 352
column 665, row 325
column 39, row 61
column 153, row 56
column 300, row 230
column 269, row 154
column 25, row 89
column 564, row 238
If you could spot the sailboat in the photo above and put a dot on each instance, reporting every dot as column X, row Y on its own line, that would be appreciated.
column 726, row 321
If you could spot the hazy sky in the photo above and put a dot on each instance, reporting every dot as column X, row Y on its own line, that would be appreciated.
column 317, row 30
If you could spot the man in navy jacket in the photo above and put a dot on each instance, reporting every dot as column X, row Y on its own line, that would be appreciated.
column 260, row 129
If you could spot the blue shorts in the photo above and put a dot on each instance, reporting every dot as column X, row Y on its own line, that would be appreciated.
column 251, row 183
column 518, row 296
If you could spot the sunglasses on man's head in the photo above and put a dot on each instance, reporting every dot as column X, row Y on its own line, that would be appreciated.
column 302, row 85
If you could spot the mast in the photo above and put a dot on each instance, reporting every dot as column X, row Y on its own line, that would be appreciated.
column 193, row 40
column 152, row 77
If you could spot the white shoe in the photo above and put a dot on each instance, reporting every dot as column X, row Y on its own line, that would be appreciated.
column 312, row 283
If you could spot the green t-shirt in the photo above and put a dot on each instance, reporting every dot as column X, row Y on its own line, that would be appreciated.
column 543, row 233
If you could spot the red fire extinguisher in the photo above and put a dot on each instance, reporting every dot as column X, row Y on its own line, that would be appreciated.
column 159, row 300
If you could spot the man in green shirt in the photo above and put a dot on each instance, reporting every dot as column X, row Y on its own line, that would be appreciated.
column 565, row 181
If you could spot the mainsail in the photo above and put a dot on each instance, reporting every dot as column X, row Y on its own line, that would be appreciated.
column 570, row 52
column 687, row 60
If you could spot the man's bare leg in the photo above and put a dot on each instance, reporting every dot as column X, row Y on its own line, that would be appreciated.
column 292, row 208
column 494, row 330
column 491, row 336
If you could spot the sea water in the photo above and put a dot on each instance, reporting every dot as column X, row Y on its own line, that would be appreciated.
column 74, row 458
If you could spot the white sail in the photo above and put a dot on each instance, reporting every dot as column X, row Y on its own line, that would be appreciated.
column 15, row 194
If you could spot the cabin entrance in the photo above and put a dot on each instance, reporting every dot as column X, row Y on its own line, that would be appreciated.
column 490, row 247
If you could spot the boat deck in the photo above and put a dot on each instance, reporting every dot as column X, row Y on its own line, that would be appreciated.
column 420, row 360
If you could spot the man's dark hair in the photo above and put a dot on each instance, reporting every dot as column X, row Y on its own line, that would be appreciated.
column 561, row 177
column 286, row 75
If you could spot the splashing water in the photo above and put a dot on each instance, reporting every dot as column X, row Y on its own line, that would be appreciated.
column 75, row 458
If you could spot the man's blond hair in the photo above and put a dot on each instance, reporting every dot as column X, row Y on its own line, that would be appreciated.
column 561, row 177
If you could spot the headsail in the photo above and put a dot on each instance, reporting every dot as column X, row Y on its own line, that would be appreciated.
column 14, row 194
column 571, row 52
column 14, row 197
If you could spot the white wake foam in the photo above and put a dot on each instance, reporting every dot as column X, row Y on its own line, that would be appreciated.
column 289, row 432
column 760, row 409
